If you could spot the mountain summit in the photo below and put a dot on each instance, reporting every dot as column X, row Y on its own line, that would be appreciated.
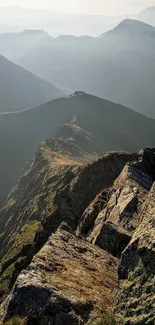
column 36, row 32
column 136, row 26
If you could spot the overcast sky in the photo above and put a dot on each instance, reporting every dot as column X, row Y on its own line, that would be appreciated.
column 106, row 7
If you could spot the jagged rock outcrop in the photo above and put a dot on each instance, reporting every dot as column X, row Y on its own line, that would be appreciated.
column 112, row 239
column 89, row 216
column 119, row 212
column 67, row 275
column 75, row 134
column 136, row 294
column 69, row 281
column 32, row 201
column 58, row 186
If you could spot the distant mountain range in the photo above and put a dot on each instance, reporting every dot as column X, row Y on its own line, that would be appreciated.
column 20, row 89
column 14, row 45
column 16, row 19
column 106, row 126
column 118, row 65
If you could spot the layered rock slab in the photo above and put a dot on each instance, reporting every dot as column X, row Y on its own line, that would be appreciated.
column 114, row 215
column 69, row 281
column 136, row 294
column 113, row 239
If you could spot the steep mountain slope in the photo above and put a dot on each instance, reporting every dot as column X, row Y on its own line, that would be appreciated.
column 32, row 213
column 109, row 127
column 132, row 25
column 119, row 65
column 136, row 300
column 20, row 89
column 116, row 211
column 69, row 280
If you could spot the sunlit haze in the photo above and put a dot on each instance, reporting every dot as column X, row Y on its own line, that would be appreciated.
column 106, row 7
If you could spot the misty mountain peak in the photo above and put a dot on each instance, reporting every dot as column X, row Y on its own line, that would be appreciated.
column 38, row 32
column 132, row 25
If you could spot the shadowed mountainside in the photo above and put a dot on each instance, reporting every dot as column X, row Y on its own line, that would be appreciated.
column 109, row 127
column 20, row 89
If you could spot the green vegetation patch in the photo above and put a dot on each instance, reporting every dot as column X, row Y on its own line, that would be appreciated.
column 6, row 277
column 12, row 258
column 19, row 239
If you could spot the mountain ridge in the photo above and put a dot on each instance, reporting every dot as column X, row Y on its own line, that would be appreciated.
column 77, row 191
column 108, row 124
column 44, row 224
column 55, row 177
column 134, row 25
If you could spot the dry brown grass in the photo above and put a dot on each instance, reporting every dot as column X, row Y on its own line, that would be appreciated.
column 16, row 321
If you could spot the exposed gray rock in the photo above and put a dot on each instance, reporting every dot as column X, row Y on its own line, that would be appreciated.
column 113, row 239
column 120, row 205
column 90, row 214
column 69, row 281
column 136, row 294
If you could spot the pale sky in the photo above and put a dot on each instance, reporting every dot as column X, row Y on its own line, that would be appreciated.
column 105, row 7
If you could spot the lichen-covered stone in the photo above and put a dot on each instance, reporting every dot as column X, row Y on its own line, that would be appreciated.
column 69, row 281
column 136, row 294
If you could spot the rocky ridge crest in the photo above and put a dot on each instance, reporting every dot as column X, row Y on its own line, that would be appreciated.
column 109, row 206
